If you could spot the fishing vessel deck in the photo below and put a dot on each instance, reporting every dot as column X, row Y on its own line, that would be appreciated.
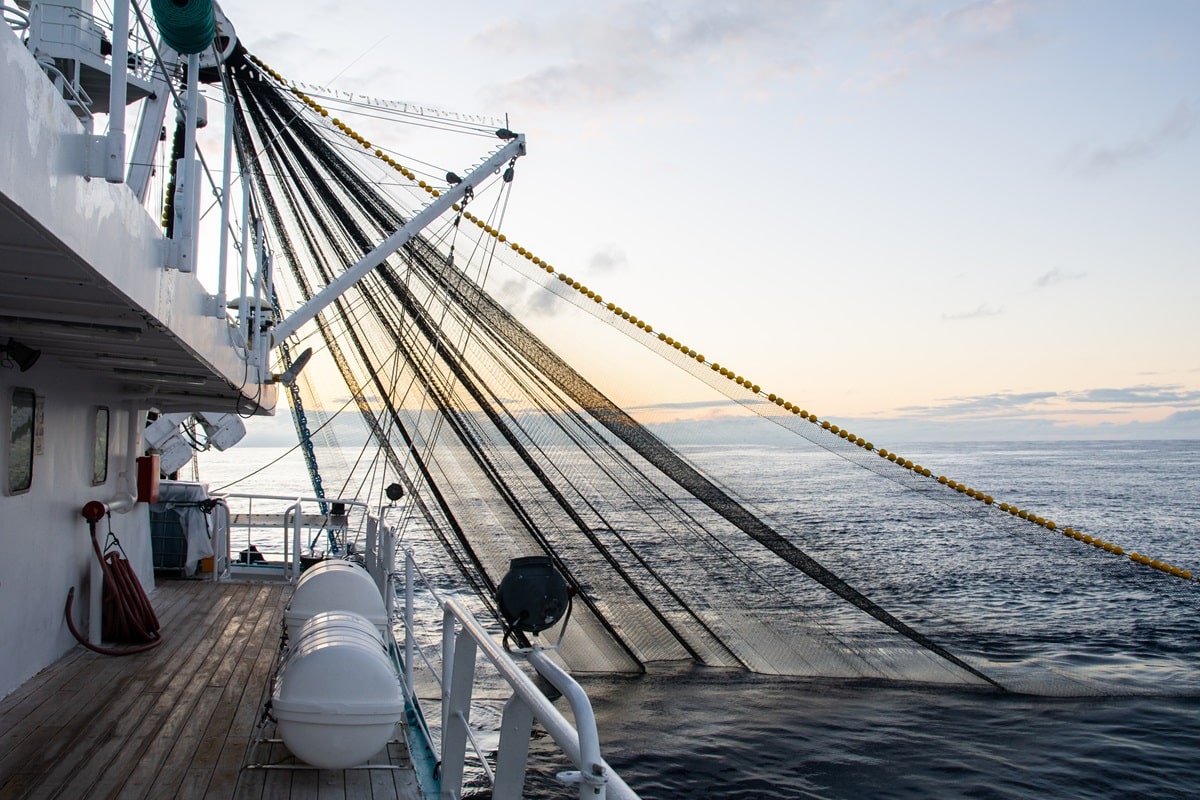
column 181, row 720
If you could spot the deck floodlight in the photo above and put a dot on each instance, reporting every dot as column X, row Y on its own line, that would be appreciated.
column 532, row 596
column 18, row 354
column 394, row 491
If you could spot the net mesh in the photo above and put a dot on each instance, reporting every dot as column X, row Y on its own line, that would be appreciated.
column 506, row 450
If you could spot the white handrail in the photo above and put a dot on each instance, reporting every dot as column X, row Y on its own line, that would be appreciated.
column 462, row 637
column 581, row 746
column 294, row 524
column 16, row 18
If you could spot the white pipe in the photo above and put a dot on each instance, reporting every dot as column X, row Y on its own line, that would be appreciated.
column 117, row 92
column 408, row 617
column 296, row 519
column 226, row 179
column 122, row 502
column 243, row 301
column 126, row 498
column 552, row 720
column 591, row 766
column 256, row 329
column 186, row 174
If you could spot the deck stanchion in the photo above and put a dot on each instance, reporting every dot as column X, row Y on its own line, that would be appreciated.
column 511, row 757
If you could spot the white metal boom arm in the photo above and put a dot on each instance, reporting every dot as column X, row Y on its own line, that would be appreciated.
column 514, row 149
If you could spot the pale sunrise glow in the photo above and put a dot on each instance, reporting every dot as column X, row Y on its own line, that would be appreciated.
column 975, row 214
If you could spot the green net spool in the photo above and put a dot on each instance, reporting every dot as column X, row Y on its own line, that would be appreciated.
column 188, row 26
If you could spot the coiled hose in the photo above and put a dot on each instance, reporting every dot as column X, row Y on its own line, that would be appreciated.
column 127, row 614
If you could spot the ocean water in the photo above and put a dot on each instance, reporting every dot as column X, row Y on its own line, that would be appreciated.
column 1125, row 641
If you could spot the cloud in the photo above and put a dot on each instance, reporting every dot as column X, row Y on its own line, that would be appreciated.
column 1052, row 405
column 1055, row 276
column 1190, row 417
column 1007, row 403
column 522, row 300
column 610, row 54
column 607, row 260
column 1139, row 395
column 979, row 313
column 1091, row 161
column 911, row 40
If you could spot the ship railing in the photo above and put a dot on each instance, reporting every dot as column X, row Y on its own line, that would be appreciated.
column 282, row 529
column 463, row 639
column 75, row 95
column 67, row 31
column 14, row 17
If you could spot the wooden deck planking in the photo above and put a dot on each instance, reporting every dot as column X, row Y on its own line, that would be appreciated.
column 82, row 694
column 177, row 721
column 47, row 684
column 171, row 696
column 212, row 702
column 222, row 750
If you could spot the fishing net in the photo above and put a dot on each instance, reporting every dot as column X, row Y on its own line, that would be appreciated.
column 422, row 376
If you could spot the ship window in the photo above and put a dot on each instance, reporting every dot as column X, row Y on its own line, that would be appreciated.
column 20, row 441
column 100, row 449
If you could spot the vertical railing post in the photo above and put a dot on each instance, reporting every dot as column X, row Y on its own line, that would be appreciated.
column 457, row 715
column 187, row 180
column 409, row 615
column 296, row 520
column 256, row 314
column 220, row 312
column 114, row 162
column 244, row 270
column 220, row 539
column 447, row 665
column 592, row 777
column 375, row 557
column 515, row 727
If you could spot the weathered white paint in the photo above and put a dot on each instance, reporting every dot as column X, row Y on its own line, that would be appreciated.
column 42, row 151
column 46, row 549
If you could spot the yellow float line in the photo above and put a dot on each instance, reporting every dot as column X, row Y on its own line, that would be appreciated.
column 745, row 383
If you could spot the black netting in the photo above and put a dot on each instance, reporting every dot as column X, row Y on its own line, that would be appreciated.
column 506, row 450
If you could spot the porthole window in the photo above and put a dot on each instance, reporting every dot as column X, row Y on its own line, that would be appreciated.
column 20, row 440
column 100, row 448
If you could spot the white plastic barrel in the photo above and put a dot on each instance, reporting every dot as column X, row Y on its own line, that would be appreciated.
column 337, row 696
column 335, row 585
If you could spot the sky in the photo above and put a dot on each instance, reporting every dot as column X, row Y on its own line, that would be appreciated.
column 946, row 219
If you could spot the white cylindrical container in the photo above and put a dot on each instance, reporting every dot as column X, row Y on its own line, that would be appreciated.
column 337, row 696
column 335, row 586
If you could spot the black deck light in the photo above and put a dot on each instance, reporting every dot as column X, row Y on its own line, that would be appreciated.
column 394, row 491
column 20, row 354
column 532, row 596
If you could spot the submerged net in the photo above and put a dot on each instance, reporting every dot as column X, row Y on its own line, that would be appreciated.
column 506, row 450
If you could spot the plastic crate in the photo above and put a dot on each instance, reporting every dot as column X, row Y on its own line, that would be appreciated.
column 167, row 539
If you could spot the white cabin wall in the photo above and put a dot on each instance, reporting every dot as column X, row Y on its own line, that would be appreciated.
column 46, row 546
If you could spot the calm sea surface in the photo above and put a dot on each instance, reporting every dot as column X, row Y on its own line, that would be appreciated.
column 1124, row 640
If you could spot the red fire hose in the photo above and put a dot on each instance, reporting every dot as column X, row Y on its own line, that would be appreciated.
column 127, row 614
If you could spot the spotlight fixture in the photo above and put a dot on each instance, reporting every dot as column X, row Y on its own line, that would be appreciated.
column 394, row 491
column 19, row 355
column 532, row 596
